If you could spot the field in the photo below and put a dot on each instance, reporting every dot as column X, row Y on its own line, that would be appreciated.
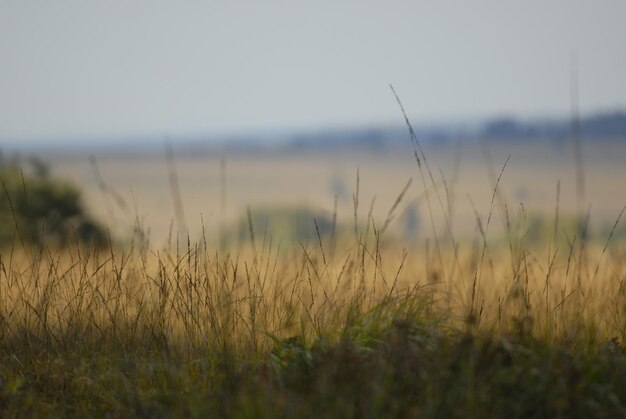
column 498, row 299
column 274, row 179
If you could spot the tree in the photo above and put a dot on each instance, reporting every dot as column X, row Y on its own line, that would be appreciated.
column 37, row 209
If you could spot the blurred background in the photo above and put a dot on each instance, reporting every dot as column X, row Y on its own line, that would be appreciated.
column 202, row 117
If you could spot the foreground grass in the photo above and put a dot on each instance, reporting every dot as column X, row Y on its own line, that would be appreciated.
column 359, row 331
column 401, row 369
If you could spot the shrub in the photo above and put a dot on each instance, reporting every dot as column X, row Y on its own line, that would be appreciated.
column 37, row 209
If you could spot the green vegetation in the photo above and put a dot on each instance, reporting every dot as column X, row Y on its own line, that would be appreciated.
column 34, row 208
column 404, row 369
column 290, row 225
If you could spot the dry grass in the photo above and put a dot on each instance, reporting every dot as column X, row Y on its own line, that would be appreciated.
column 514, row 321
column 196, row 298
column 141, row 333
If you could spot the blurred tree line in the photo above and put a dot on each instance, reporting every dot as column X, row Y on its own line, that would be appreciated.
column 37, row 209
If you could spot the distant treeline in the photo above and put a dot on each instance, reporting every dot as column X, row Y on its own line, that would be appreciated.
column 604, row 126
column 600, row 126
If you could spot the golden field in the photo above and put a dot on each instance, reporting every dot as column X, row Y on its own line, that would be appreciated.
column 487, row 249
column 274, row 179
column 502, row 302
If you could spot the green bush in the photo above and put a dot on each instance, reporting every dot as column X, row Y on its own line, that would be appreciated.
column 37, row 209
column 289, row 224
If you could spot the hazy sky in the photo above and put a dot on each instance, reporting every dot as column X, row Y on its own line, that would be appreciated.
column 95, row 69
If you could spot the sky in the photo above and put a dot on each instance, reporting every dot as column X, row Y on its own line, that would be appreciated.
column 85, row 70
